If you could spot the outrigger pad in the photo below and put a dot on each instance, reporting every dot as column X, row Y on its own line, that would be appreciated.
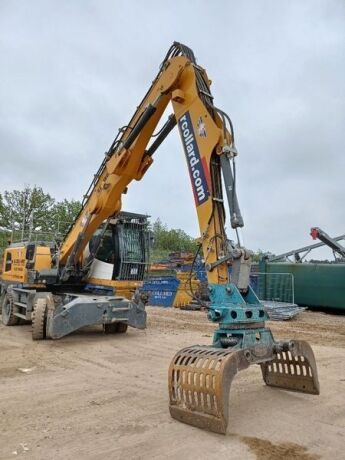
column 199, row 385
column 293, row 370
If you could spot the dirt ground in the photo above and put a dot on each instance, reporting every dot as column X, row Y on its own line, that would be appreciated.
column 92, row 396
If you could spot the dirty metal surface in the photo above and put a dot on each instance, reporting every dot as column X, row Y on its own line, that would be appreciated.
column 199, row 384
column 200, row 378
column 293, row 370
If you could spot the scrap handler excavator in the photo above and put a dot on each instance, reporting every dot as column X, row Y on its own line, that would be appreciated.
column 199, row 376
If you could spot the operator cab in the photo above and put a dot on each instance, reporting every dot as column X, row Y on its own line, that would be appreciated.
column 123, row 248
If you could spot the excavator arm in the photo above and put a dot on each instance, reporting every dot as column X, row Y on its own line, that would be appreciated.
column 208, row 146
column 199, row 376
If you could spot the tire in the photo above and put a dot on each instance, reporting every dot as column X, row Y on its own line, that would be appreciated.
column 7, row 307
column 115, row 328
column 2, row 296
column 122, row 328
column 39, row 319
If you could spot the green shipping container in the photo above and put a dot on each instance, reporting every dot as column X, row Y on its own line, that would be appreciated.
column 315, row 285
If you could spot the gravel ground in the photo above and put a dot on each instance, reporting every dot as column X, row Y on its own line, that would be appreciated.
column 92, row 396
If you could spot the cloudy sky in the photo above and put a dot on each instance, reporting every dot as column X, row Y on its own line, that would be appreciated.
column 72, row 73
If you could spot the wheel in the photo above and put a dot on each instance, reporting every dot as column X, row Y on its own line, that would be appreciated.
column 115, row 328
column 39, row 319
column 2, row 296
column 8, row 318
column 122, row 328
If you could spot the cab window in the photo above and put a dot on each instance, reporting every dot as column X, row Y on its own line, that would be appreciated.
column 8, row 263
column 30, row 251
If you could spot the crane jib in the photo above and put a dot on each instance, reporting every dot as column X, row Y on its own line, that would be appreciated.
column 195, row 167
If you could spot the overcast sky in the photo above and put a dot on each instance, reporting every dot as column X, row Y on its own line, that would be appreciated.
column 73, row 72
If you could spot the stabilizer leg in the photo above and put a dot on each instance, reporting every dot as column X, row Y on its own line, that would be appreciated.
column 293, row 370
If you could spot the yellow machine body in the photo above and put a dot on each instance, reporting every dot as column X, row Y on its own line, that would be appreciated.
column 18, row 259
column 199, row 377
column 16, row 265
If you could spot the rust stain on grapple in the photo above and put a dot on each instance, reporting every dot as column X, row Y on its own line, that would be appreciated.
column 199, row 385
column 200, row 378
column 293, row 370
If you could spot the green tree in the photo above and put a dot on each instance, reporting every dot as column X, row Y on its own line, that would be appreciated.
column 27, row 207
column 33, row 210
column 171, row 240
column 1, row 205
column 64, row 213
column 259, row 254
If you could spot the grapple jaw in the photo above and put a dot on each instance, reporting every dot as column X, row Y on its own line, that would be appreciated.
column 200, row 378
column 294, row 369
column 199, row 385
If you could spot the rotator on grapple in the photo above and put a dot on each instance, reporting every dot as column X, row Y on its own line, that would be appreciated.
column 200, row 376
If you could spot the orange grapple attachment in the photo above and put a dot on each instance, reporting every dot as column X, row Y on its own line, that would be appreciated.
column 200, row 378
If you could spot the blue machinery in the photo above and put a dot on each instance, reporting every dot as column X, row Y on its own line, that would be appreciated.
column 200, row 377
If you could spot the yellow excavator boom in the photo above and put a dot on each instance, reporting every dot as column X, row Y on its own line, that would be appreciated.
column 204, row 137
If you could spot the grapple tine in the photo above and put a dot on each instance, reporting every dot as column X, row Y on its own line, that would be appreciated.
column 293, row 370
column 199, row 385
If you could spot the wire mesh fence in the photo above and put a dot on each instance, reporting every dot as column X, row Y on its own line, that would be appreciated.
column 276, row 292
column 276, row 287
